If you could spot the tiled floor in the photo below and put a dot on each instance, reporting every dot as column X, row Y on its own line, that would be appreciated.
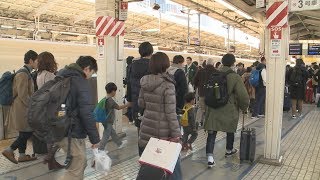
column 301, row 154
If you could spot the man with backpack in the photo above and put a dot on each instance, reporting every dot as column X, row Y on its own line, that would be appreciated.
column 176, row 70
column 22, row 89
column 225, row 94
column 260, row 88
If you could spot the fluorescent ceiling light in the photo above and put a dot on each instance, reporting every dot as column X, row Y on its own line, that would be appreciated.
column 231, row 7
column 6, row 27
column 92, row 1
column 151, row 30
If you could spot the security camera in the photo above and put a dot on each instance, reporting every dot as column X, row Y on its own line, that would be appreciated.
column 156, row 6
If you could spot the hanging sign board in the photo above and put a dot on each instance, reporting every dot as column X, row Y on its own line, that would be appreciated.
column 123, row 11
column 275, row 48
column 100, row 44
column 304, row 5
column 260, row 3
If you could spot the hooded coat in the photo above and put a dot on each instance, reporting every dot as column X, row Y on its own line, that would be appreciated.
column 157, row 96
column 82, row 101
column 226, row 118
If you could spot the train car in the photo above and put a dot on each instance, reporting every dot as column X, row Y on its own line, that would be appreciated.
column 12, row 53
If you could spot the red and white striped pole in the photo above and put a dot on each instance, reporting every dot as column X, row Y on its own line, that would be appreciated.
column 276, row 51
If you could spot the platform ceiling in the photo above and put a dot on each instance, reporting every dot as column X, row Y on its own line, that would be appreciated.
column 72, row 20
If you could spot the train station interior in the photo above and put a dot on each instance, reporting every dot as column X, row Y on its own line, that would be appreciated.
column 281, row 31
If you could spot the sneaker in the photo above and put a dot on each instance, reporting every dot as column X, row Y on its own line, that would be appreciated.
column 294, row 116
column 230, row 153
column 261, row 115
column 211, row 162
column 254, row 117
column 123, row 144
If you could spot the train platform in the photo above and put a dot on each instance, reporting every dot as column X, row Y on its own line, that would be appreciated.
column 300, row 152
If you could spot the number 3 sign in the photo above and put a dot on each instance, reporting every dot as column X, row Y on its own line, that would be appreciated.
column 302, row 5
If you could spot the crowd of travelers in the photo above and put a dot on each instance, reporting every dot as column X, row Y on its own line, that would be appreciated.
column 165, row 100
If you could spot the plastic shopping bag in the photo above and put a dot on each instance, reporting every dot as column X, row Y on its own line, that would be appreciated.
column 102, row 161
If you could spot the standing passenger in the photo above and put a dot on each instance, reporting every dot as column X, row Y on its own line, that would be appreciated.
column 190, row 70
column 298, row 76
column 260, row 91
column 23, row 88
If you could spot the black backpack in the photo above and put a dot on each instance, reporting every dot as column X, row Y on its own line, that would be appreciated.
column 296, row 77
column 43, row 112
column 216, row 89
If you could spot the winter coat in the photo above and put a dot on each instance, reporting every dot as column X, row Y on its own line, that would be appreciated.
column 202, row 77
column 139, row 68
column 23, row 88
column 127, row 83
column 249, row 87
column 43, row 77
column 226, row 118
column 157, row 97
column 190, row 72
column 298, row 91
column 181, row 83
column 82, row 102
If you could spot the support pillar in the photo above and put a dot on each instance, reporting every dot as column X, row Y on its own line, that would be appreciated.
column 110, row 67
column 274, row 96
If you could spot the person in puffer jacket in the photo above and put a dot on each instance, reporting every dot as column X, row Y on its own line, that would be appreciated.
column 158, row 99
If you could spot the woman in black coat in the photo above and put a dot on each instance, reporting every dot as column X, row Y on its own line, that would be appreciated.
column 297, row 79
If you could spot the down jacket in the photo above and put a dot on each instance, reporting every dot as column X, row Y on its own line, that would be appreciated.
column 157, row 97
column 82, row 101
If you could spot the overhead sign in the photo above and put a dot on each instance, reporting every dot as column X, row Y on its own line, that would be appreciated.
column 277, row 14
column 123, row 11
column 275, row 32
column 304, row 5
column 109, row 26
column 295, row 49
column 100, row 43
column 275, row 48
column 314, row 49
column 260, row 3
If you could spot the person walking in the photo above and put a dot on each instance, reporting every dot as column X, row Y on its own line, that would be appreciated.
column 226, row 118
column 158, row 99
column 23, row 88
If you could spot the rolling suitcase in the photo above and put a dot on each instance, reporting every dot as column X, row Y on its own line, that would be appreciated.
column 247, row 144
column 286, row 100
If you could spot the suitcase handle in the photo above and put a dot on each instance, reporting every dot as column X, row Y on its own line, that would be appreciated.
column 243, row 113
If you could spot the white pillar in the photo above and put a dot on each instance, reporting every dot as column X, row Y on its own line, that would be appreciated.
column 274, row 97
column 111, row 66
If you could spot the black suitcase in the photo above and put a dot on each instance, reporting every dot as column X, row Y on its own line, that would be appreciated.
column 247, row 143
column 39, row 147
column 286, row 100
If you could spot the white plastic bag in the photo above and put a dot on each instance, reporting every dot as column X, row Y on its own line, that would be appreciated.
column 102, row 161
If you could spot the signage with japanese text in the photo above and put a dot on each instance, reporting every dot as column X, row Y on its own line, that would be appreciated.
column 303, row 5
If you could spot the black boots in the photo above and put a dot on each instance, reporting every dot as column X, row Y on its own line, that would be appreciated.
column 50, row 159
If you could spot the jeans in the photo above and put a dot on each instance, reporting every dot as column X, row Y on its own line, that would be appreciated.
column 21, row 142
column 107, row 132
column 211, row 141
column 177, row 172
column 260, row 101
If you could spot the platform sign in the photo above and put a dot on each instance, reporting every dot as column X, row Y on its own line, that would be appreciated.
column 100, row 44
column 123, row 11
column 304, row 5
column 295, row 49
column 276, row 32
column 314, row 49
column 275, row 48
